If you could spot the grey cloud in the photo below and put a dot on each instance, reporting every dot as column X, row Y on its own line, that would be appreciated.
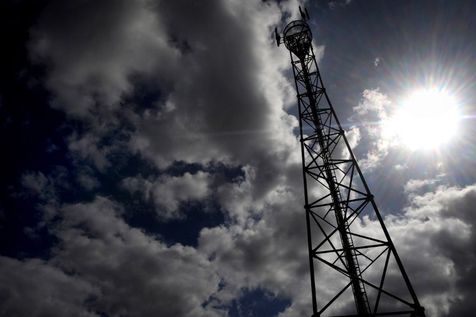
column 135, row 274
column 87, row 181
column 434, row 237
column 44, row 187
column 376, row 61
column 416, row 185
column 103, row 266
column 334, row 4
column 87, row 148
column 219, row 73
column 168, row 192
column 229, row 105
column 92, row 48
column 36, row 182
column 264, row 246
column 438, row 227
column 32, row 287
column 455, row 239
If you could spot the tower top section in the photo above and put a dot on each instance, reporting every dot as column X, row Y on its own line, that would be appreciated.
column 297, row 36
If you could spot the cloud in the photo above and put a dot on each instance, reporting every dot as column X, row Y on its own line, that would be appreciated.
column 222, row 110
column 372, row 112
column 266, row 251
column 103, row 266
column 135, row 273
column 87, row 181
column 373, row 102
column 168, row 192
column 87, row 148
column 222, row 98
column 334, row 4
column 44, row 187
column 416, row 185
column 376, row 61
column 36, row 182
column 207, row 109
column 93, row 49
column 353, row 137
column 264, row 247
column 32, row 287
column 439, row 227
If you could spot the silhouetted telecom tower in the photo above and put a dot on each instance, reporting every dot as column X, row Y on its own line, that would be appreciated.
column 351, row 260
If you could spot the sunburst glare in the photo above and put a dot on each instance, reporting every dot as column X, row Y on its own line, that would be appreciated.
column 426, row 119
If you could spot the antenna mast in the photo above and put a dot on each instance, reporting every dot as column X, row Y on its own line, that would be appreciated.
column 346, row 262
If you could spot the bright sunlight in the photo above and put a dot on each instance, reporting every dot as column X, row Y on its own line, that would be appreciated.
column 427, row 119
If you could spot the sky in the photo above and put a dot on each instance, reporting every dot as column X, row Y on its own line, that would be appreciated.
column 150, row 163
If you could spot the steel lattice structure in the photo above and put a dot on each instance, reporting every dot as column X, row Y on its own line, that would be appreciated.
column 355, row 264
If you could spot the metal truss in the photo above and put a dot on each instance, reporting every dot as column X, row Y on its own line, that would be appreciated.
column 354, row 266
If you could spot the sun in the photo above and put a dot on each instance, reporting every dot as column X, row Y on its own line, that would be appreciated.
column 426, row 119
